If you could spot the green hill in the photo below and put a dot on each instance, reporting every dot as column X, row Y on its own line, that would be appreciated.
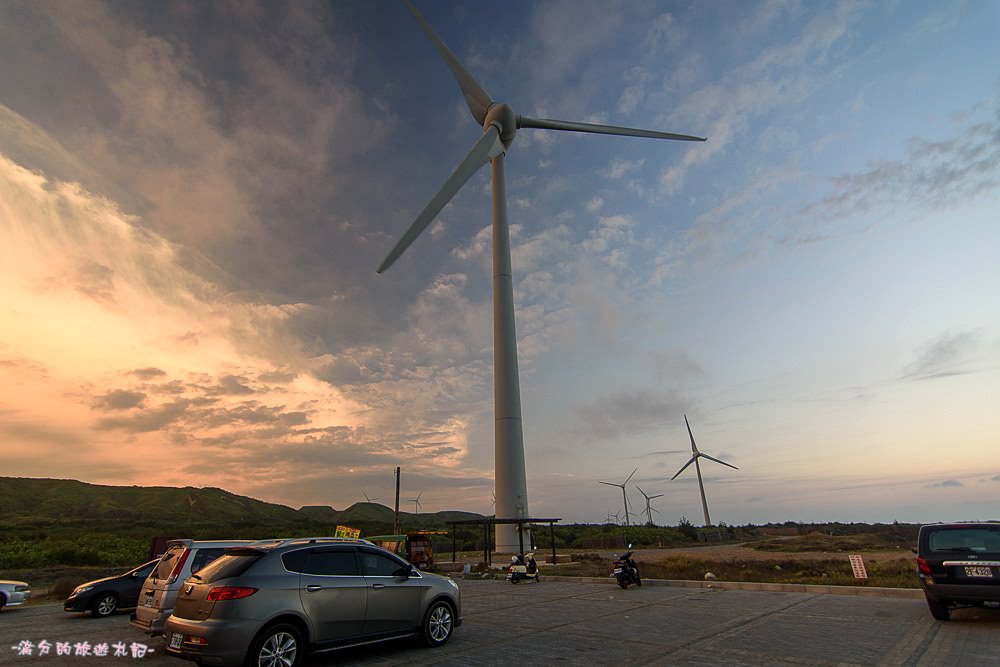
column 29, row 501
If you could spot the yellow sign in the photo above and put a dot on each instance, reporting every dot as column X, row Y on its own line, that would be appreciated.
column 347, row 531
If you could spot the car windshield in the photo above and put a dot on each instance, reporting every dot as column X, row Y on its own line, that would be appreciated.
column 226, row 566
column 969, row 539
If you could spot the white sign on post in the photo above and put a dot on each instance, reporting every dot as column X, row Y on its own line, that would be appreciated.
column 858, row 566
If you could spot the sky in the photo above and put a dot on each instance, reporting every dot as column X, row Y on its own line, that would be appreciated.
column 194, row 198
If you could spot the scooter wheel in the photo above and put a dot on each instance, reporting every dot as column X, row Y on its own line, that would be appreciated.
column 623, row 584
column 638, row 582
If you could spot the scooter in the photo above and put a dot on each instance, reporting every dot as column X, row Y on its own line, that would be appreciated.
column 625, row 570
column 521, row 569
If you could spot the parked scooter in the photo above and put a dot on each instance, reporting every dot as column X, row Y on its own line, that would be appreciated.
column 626, row 571
column 521, row 569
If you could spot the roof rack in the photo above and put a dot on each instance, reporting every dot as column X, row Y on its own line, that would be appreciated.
column 283, row 541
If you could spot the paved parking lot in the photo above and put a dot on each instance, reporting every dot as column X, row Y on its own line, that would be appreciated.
column 599, row 624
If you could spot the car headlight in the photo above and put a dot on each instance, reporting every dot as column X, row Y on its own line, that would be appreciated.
column 81, row 589
column 453, row 583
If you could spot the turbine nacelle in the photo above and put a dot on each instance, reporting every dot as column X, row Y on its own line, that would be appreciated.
column 502, row 117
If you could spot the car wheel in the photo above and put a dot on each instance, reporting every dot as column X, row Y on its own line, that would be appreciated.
column 104, row 605
column 3, row 600
column 278, row 646
column 939, row 609
column 438, row 624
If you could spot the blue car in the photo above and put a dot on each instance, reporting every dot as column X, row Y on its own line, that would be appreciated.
column 103, row 597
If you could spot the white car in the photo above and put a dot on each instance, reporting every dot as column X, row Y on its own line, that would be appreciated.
column 13, row 593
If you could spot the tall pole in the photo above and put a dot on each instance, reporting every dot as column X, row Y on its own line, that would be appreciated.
column 395, row 516
column 701, row 487
column 511, row 480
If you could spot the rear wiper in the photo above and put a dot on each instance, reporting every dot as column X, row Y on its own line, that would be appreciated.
column 196, row 576
column 959, row 550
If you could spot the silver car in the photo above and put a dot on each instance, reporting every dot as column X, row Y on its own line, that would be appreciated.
column 266, row 605
column 13, row 593
column 181, row 559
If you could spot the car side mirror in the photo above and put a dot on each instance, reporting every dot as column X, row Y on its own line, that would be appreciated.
column 405, row 572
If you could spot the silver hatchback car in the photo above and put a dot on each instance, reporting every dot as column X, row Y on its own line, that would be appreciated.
column 182, row 559
column 267, row 604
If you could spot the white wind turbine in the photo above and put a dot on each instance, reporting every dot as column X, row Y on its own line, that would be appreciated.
column 416, row 503
column 694, row 459
column 499, row 123
column 624, row 496
column 649, row 510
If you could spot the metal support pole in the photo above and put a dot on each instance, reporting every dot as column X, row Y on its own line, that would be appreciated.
column 552, row 532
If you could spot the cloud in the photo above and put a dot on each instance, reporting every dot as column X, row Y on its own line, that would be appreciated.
column 950, row 354
column 629, row 411
column 948, row 483
column 931, row 175
column 119, row 399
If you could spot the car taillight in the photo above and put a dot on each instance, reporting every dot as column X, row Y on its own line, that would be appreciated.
column 230, row 592
column 176, row 572
column 923, row 566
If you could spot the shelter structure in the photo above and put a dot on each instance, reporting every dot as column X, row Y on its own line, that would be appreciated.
column 493, row 522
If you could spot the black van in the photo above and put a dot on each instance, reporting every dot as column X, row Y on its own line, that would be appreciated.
column 959, row 565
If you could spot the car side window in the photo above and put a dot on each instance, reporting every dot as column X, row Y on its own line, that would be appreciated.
column 144, row 572
column 374, row 564
column 330, row 562
column 203, row 557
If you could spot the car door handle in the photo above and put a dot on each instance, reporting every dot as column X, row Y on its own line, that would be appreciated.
column 313, row 588
column 378, row 585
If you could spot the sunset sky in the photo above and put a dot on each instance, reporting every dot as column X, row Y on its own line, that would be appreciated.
column 194, row 198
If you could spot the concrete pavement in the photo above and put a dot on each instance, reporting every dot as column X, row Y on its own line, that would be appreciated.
column 573, row 623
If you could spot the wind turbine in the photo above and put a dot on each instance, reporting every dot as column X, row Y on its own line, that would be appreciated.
column 367, row 499
column 416, row 503
column 624, row 496
column 649, row 510
column 499, row 122
column 694, row 459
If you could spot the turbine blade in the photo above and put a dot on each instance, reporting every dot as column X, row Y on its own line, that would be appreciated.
column 487, row 148
column 476, row 97
column 690, row 461
column 572, row 126
column 694, row 448
column 718, row 461
column 628, row 478
column 610, row 484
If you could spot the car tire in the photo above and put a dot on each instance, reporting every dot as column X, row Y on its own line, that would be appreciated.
column 104, row 605
column 278, row 646
column 939, row 609
column 439, row 623
column 3, row 600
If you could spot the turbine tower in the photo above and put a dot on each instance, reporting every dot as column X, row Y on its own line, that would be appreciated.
column 694, row 459
column 499, row 122
column 624, row 497
column 649, row 510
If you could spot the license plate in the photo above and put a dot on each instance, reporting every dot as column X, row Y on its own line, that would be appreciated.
column 148, row 602
column 176, row 639
column 618, row 570
column 978, row 571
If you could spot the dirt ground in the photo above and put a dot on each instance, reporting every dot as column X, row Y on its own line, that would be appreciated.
column 737, row 552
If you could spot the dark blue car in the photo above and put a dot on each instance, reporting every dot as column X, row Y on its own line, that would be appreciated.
column 103, row 597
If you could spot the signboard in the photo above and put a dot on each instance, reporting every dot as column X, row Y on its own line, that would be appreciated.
column 346, row 531
column 858, row 566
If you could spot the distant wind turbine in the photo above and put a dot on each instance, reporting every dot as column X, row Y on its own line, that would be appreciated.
column 367, row 499
column 499, row 122
column 624, row 496
column 649, row 510
column 416, row 503
column 694, row 459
